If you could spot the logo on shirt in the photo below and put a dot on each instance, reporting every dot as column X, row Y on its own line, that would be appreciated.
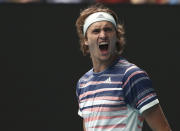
column 108, row 80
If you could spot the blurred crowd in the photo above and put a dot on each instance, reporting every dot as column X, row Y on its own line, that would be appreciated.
column 93, row 1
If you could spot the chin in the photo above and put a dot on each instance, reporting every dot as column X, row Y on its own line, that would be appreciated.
column 105, row 58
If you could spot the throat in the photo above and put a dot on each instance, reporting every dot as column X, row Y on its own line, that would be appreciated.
column 99, row 68
column 101, row 65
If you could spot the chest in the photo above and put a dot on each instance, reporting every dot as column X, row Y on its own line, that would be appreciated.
column 105, row 93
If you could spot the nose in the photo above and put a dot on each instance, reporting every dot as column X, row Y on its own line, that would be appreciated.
column 102, row 35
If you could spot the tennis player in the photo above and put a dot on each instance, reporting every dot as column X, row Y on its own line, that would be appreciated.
column 115, row 95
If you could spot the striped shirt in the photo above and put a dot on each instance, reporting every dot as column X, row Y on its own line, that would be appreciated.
column 114, row 99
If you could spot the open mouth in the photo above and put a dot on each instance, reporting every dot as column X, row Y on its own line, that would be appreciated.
column 103, row 46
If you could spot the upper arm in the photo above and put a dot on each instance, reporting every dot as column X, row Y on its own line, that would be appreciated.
column 156, row 119
column 84, row 129
column 140, row 95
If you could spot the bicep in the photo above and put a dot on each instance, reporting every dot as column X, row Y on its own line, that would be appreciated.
column 156, row 119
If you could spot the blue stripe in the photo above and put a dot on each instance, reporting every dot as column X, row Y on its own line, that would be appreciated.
column 104, row 105
column 99, row 86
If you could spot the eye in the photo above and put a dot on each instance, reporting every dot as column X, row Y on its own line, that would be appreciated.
column 108, row 29
column 95, row 31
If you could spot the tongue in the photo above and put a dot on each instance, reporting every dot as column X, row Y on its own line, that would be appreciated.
column 104, row 51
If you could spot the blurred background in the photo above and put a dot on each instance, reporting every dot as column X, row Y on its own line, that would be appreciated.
column 94, row 1
column 41, row 60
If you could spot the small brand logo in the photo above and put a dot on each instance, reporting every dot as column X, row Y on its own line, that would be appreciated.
column 108, row 80
column 100, row 16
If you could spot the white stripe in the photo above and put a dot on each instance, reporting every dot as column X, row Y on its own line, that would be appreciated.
column 132, row 67
column 99, row 82
column 99, row 102
column 91, row 83
column 80, row 113
column 106, row 122
column 151, row 104
column 87, row 79
column 112, row 75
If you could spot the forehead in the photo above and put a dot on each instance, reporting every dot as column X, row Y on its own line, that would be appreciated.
column 101, row 24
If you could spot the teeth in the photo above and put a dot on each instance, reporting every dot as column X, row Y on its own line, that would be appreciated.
column 103, row 43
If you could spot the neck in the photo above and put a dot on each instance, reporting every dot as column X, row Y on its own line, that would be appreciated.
column 101, row 65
